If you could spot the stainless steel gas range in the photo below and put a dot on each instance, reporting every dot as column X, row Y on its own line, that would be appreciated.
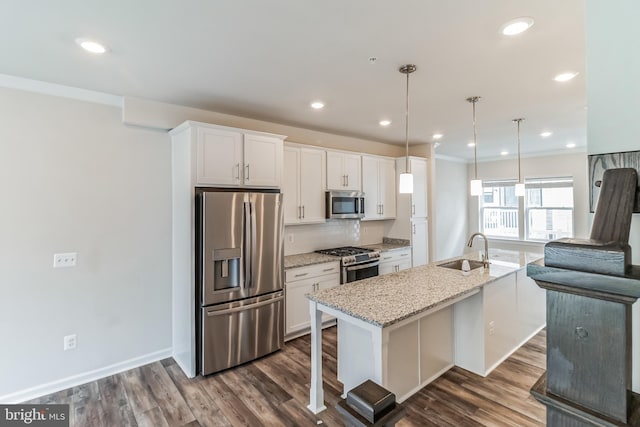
column 356, row 263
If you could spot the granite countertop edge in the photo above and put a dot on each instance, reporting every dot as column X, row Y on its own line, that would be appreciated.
column 430, row 283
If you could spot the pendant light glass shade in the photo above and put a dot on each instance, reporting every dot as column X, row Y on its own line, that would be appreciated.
column 476, row 187
column 406, row 183
column 476, row 184
column 406, row 178
column 520, row 184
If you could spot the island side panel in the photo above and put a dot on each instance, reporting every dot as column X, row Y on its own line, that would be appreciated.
column 357, row 349
column 316, row 392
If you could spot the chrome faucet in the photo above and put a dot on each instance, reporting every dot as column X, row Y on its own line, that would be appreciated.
column 485, row 256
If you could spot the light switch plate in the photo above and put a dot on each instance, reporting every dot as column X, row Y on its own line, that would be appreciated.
column 65, row 260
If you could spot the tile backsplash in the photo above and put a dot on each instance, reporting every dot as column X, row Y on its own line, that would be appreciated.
column 332, row 234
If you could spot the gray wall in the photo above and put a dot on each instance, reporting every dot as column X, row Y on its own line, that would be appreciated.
column 450, row 204
column 74, row 179
column 613, row 91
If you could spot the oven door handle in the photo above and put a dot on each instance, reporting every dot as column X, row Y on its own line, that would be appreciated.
column 362, row 266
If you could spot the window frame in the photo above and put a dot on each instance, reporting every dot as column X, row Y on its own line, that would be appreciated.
column 548, row 182
column 523, row 207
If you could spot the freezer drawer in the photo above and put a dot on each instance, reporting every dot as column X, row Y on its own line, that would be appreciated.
column 240, row 331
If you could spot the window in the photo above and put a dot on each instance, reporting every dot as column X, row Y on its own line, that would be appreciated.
column 499, row 210
column 549, row 208
column 546, row 210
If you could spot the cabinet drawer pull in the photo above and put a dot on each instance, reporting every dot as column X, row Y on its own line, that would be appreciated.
column 387, row 257
column 404, row 254
column 328, row 269
column 301, row 275
column 238, row 171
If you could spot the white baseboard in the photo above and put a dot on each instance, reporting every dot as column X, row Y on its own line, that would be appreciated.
column 83, row 378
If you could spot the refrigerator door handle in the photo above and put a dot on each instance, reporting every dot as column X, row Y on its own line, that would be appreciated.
column 246, row 256
column 253, row 247
column 244, row 307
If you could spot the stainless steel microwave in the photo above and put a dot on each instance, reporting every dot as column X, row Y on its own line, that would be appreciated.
column 344, row 204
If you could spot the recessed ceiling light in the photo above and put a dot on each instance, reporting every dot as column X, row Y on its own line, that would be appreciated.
column 516, row 26
column 546, row 134
column 504, row 153
column 437, row 135
column 564, row 77
column 571, row 145
column 316, row 105
column 471, row 144
column 91, row 46
column 385, row 122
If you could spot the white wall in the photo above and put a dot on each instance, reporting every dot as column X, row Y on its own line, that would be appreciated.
column 450, row 208
column 74, row 179
column 613, row 91
column 570, row 164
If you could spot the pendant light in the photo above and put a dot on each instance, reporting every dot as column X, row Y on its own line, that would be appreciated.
column 520, row 184
column 406, row 178
column 476, row 184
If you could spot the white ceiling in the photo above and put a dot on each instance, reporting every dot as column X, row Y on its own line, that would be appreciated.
column 269, row 59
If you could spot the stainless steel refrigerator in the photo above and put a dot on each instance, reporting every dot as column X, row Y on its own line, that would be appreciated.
column 240, row 277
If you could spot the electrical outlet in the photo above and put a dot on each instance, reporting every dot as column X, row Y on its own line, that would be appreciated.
column 492, row 327
column 65, row 260
column 290, row 238
column 70, row 342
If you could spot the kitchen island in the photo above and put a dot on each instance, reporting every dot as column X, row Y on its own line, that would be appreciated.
column 404, row 330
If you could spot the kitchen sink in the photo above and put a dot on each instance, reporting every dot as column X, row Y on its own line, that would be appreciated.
column 457, row 264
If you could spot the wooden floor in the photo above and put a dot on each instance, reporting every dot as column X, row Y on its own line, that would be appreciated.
column 274, row 391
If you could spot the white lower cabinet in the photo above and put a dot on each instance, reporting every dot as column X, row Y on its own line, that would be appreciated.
column 394, row 261
column 299, row 282
column 496, row 321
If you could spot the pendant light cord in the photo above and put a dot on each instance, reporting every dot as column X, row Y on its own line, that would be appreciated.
column 406, row 129
column 473, row 101
column 519, row 174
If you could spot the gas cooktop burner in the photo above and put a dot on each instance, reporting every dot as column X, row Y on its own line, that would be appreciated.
column 350, row 255
column 345, row 251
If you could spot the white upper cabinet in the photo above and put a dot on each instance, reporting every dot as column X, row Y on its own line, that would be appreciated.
column 219, row 157
column 379, row 187
column 419, row 197
column 343, row 171
column 303, row 185
column 262, row 161
column 230, row 157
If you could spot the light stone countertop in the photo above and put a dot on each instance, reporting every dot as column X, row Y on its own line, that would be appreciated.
column 311, row 258
column 386, row 247
column 384, row 300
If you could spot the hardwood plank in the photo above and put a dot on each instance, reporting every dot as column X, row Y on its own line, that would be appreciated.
column 140, row 397
column 203, row 407
column 152, row 418
column 115, row 403
column 170, row 401
column 231, row 406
